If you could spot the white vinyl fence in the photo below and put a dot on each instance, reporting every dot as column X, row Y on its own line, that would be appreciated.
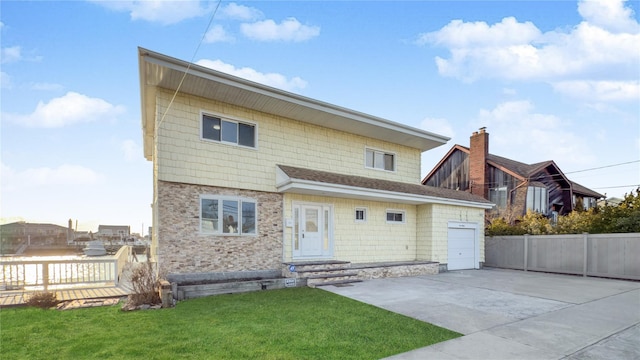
column 603, row 255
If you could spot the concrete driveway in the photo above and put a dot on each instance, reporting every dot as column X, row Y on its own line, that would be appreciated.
column 509, row 314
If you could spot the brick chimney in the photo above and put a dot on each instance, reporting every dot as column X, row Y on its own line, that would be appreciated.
column 478, row 168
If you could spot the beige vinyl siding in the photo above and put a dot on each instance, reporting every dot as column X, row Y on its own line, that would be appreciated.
column 370, row 241
column 183, row 157
column 433, row 220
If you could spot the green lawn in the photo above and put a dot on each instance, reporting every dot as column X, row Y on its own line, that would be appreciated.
column 296, row 323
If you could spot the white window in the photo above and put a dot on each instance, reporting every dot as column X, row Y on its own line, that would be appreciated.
column 223, row 215
column 361, row 214
column 498, row 196
column 228, row 131
column 537, row 199
column 395, row 216
column 381, row 160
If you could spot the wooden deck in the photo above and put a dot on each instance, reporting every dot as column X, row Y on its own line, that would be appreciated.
column 20, row 297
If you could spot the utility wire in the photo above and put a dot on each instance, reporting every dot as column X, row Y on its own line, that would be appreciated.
column 617, row 187
column 603, row 167
column 213, row 14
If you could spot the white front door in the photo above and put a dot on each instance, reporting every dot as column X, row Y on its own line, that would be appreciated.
column 312, row 231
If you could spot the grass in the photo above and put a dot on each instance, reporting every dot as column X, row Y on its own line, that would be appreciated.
column 296, row 323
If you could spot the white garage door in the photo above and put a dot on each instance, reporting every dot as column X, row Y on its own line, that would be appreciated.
column 462, row 253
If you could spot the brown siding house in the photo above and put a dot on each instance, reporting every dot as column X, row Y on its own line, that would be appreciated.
column 514, row 187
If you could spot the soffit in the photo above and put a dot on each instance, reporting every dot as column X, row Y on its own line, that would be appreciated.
column 157, row 70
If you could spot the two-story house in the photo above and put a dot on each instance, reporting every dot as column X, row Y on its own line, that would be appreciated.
column 247, row 177
column 513, row 186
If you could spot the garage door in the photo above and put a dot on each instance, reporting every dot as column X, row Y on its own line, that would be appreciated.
column 462, row 253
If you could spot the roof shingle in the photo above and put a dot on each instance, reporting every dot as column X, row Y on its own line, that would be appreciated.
column 378, row 184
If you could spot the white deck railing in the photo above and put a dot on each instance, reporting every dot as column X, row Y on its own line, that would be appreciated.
column 18, row 274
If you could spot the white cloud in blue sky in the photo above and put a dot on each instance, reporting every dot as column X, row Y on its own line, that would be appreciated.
column 241, row 12
column 69, row 109
column 166, row 12
column 289, row 29
column 217, row 33
column 11, row 54
column 271, row 79
column 607, row 39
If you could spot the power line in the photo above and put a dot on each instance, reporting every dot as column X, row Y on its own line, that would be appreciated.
column 603, row 167
column 186, row 71
column 617, row 187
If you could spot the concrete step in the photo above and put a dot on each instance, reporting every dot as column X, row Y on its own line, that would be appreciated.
column 336, row 283
column 332, row 275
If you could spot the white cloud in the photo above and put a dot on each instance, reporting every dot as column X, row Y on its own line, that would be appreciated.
column 458, row 34
column 609, row 15
column 438, row 126
column 66, row 110
column 162, row 11
column 63, row 175
column 537, row 137
column 288, row 30
column 605, row 91
column 131, row 150
column 217, row 34
column 596, row 49
column 241, row 12
column 5, row 80
column 270, row 79
column 11, row 54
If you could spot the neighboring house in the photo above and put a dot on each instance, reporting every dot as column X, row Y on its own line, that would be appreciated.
column 33, row 234
column 513, row 186
column 113, row 232
column 247, row 178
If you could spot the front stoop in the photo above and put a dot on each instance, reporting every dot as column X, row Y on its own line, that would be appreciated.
column 321, row 273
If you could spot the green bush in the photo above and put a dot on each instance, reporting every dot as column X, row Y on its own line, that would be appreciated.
column 621, row 218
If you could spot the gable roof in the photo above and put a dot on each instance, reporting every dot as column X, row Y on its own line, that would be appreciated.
column 301, row 180
column 160, row 71
column 520, row 170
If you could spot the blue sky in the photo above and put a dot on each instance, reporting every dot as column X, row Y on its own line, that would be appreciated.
column 551, row 80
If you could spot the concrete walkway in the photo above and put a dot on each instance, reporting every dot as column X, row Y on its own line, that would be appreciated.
column 509, row 314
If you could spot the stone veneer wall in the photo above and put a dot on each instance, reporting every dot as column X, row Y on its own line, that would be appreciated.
column 182, row 249
column 390, row 270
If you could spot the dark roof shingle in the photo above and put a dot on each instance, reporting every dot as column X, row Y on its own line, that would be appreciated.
column 378, row 184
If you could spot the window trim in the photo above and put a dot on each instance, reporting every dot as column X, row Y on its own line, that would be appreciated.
column 395, row 211
column 220, row 198
column 230, row 119
column 532, row 202
column 384, row 152
column 497, row 191
column 364, row 210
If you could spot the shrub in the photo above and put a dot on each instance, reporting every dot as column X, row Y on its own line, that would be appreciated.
column 145, row 282
column 43, row 299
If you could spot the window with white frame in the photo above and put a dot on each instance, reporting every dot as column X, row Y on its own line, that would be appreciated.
column 395, row 216
column 498, row 196
column 228, row 131
column 380, row 160
column 537, row 199
column 227, row 215
column 361, row 214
